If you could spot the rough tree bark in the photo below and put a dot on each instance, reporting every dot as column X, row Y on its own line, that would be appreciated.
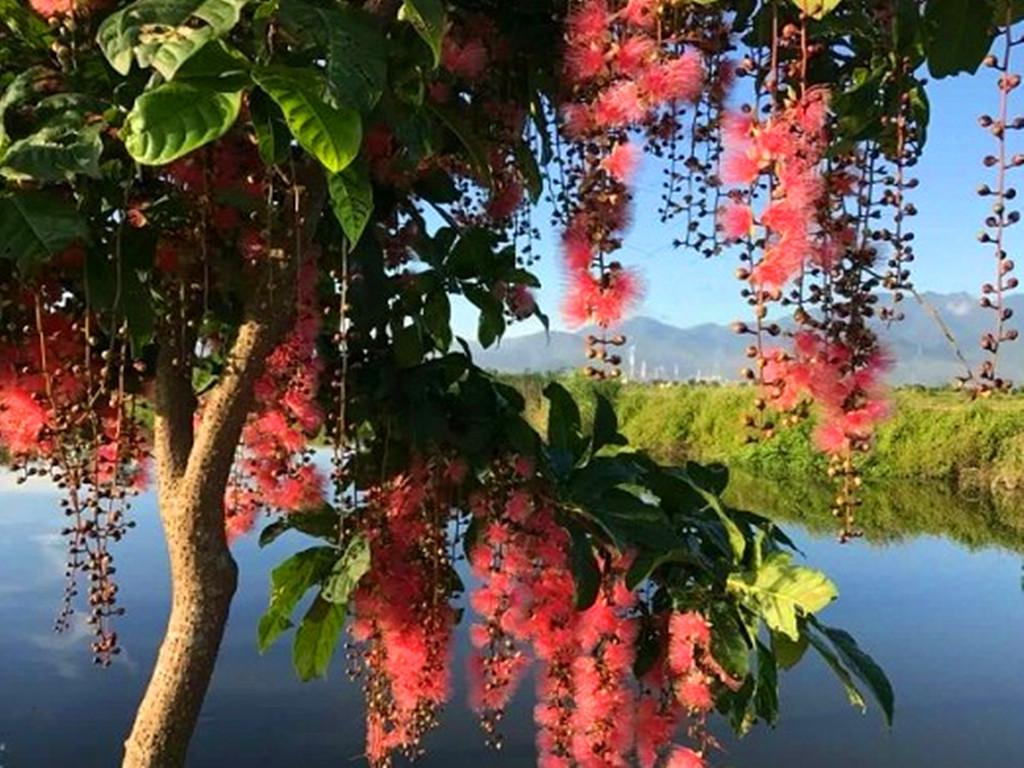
column 193, row 468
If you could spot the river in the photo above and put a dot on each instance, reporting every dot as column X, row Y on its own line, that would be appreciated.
column 934, row 591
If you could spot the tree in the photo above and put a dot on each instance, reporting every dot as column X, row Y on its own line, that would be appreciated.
column 241, row 224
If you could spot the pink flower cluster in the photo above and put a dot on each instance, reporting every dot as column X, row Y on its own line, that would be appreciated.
column 44, row 377
column 620, row 75
column 625, row 71
column 589, row 712
column 789, row 146
column 274, row 469
column 852, row 399
column 403, row 619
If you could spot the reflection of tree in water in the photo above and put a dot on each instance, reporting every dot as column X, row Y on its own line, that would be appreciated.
column 894, row 512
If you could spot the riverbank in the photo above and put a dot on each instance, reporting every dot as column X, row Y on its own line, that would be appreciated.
column 932, row 435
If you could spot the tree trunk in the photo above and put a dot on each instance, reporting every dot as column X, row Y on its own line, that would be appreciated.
column 192, row 472
column 203, row 578
column 193, row 467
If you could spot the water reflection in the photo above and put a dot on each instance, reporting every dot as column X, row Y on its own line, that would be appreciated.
column 934, row 591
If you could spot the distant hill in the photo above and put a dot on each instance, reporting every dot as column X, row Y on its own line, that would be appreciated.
column 656, row 350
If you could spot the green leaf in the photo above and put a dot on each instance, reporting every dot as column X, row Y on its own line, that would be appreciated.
column 37, row 225
column 780, row 592
column 316, row 638
column 645, row 564
column 586, row 575
column 728, row 642
column 331, row 134
column 766, row 696
column 357, row 66
column 437, row 315
column 344, row 578
column 960, row 34
column 817, row 9
column 25, row 87
column 357, row 49
column 288, row 583
column 563, row 418
column 321, row 523
column 55, row 153
column 428, row 18
column 789, row 652
column 273, row 140
column 855, row 697
column 606, row 425
column 218, row 67
column 164, row 34
column 864, row 667
column 352, row 199
column 173, row 119
column 26, row 25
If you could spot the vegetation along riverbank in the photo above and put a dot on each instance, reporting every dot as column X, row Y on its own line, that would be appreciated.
column 933, row 434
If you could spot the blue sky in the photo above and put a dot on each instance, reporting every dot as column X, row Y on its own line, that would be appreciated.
column 684, row 289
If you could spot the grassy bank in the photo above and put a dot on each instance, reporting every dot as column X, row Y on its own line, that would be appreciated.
column 933, row 434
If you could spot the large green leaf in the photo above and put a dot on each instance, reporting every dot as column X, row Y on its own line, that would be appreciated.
column 164, row 34
column 960, row 33
column 817, row 9
column 864, row 667
column 357, row 66
column 780, row 592
column 37, row 225
column 352, row 199
column 853, row 694
column 428, row 18
column 316, row 638
column 288, row 583
column 331, row 134
column 54, row 153
column 345, row 576
column 173, row 119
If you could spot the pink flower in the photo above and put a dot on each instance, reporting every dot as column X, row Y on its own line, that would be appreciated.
column 467, row 61
column 681, row 757
column 618, row 106
column 621, row 163
column 589, row 22
column 736, row 220
column 584, row 63
column 640, row 13
column 739, row 167
column 505, row 200
column 634, row 54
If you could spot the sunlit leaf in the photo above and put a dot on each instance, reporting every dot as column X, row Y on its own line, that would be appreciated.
column 780, row 592
column 173, row 119
column 331, row 134
column 54, row 153
column 164, row 34
column 352, row 199
column 817, row 9
column 350, row 568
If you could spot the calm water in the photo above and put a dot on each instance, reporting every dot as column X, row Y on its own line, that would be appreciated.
column 935, row 593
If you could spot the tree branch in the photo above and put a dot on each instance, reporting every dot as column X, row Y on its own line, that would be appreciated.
column 267, row 318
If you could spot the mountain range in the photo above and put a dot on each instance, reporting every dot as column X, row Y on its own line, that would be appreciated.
column 656, row 350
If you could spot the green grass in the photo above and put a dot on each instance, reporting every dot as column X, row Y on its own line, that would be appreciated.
column 932, row 434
